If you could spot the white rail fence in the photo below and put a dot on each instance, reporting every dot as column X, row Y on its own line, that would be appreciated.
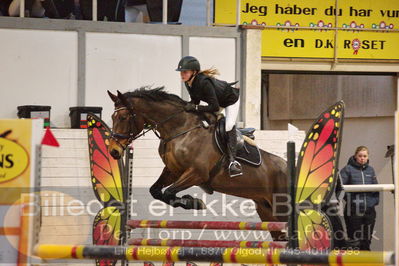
column 164, row 11
column 369, row 188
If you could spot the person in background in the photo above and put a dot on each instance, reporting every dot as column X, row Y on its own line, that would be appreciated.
column 136, row 11
column 56, row 9
column 359, row 211
column 203, row 86
column 33, row 8
column 4, row 4
column 107, row 10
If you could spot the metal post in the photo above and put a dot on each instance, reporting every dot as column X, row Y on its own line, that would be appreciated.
column 292, row 243
column 94, row 10
column 208, row 13
column 81, row 95
column 127, row 192
column 22, row 8
column 333, row 65
column 238, row 13
column 396, row 182
column 164, row 11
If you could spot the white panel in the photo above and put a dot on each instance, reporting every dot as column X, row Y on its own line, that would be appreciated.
column 38, row 68
column 216, row 52
column 128, row 61
column 9, row 251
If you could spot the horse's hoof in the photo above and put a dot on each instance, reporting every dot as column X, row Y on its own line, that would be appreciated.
column 198, row 204
column 189, row 197
column 190, row 204
column 176, row 203
column 193, row 203
column 187, row 202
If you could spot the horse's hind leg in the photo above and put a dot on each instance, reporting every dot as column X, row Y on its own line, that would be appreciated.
column 265, row 212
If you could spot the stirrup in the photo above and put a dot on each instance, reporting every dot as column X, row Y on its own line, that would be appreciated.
column 237, row 171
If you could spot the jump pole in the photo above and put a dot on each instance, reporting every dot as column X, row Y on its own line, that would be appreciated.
column 216, row 225
column 225, row 255
column 206, row 243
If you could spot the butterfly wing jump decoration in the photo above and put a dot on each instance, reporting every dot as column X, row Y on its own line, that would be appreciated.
column 108, row 187
column 316, row 179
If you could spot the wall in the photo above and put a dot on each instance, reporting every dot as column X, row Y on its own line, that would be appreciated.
column 51, row 62
column 128, row 61
column 38, row 68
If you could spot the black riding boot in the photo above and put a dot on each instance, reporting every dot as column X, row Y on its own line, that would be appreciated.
column 235, row 168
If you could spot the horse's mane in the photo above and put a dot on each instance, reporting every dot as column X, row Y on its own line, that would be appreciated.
column 157, row 95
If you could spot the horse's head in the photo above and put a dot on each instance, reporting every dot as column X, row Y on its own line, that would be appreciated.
column 126, row 125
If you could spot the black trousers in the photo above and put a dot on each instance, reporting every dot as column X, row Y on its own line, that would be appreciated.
column 360, row 226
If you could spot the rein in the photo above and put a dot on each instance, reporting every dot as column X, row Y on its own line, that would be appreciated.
column 180, row 134
column 154, row 128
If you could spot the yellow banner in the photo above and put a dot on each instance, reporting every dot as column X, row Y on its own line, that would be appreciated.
column 19, row 208
column 352, row 15
column 320, row 44
column 15, row 149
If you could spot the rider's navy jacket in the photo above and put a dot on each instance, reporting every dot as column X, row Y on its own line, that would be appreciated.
column 216, row 93
column 355, row 174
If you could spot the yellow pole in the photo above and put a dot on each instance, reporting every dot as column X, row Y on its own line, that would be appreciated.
column 227, row 255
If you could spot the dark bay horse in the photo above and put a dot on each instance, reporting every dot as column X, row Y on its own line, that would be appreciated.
column 189, row 153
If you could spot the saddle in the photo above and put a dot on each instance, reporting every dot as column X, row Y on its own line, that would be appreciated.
column 247, row 151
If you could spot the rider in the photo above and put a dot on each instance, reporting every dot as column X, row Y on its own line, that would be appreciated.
column 202, row 86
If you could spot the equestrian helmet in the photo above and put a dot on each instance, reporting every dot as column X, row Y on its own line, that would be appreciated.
column 188, row 63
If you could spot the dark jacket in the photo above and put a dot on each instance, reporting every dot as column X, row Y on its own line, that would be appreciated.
column 355, row 174
column 216, row 93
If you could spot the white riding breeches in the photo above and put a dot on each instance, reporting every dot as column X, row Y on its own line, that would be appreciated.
column 231, row 115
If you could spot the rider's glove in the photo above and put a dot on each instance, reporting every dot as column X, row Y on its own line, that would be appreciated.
column 190, row 107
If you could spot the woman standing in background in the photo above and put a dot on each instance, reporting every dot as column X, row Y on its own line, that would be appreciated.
column 360, row 212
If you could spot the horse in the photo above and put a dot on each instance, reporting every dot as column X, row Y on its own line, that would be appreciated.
column 189, row 153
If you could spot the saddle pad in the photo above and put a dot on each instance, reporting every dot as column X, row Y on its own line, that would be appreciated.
column 248, row 153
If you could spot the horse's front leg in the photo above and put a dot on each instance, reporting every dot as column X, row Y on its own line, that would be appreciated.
column 191, row 177
column 165, row 179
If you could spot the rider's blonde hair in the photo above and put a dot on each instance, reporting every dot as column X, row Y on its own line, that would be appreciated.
column 210, row 72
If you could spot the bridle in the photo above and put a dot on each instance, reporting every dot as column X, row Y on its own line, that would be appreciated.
column 153, row 127
column 118, row 136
